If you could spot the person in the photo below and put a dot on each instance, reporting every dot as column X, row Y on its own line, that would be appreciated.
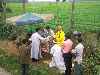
column 43, row 32
column 44, row 44
column 57, row 58
column 78, row 51
column 35, row 50
column 24, row 56
column 59, row 36
column 50, row 33
column 66, row 49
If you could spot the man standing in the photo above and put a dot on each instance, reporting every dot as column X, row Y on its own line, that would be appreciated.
column 35, row 50
column 67, row 47
column 78, row 51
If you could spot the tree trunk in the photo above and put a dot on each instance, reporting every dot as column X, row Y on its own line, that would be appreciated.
column 72, row 21
column 64, row 0
column 3, row 11
column 23, row 5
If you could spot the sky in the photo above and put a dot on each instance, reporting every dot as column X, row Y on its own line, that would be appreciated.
column 42, row 0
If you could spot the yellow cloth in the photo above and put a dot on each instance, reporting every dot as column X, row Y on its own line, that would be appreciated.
column 59, row 37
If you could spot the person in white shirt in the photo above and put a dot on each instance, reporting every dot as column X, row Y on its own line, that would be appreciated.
column 35, row 50
column 78, row 51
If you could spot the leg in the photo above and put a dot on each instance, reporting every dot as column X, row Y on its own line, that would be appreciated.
column 68, row 63
column 23, row 69
column 78, row 69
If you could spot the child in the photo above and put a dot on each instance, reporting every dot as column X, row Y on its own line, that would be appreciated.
column 24, row 56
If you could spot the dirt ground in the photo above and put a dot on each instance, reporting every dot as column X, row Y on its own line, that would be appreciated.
column 3, row 72
column 9, row 46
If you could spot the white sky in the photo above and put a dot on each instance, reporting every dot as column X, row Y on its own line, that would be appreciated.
column 42, row 0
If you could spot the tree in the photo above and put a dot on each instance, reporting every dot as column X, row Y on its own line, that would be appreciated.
column 3, row 11
column 72, row 22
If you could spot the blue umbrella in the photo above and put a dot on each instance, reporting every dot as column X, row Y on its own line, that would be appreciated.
column 29, row 18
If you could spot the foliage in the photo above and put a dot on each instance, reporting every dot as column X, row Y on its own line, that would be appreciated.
column 92, row 54
column 85, row 20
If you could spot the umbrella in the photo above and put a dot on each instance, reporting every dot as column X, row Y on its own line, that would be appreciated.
column 30, row 18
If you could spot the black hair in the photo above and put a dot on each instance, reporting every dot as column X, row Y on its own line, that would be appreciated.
column 37, row 29
column 29, row 35
column 47, row 27
column 79, row 34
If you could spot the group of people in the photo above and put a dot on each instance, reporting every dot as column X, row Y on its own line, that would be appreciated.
column 60, row 45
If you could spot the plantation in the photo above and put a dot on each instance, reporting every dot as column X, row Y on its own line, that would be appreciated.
column 86, row 15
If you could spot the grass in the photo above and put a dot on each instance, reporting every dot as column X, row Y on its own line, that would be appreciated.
column 86, row 14
column 10, row 63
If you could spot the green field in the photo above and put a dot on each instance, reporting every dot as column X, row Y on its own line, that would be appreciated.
column 87, row 14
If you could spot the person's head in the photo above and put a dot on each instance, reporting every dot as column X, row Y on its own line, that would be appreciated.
column 24, row 41
column 48, row 28
column 77, row 34
column 28, row 35
column 37, row 29
column 59, row 28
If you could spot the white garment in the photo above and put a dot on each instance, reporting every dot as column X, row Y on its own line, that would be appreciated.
column 79, row 53
column 57, row 59
column 35, row 51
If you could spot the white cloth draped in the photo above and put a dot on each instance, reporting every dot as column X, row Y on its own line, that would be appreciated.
column 57, row 59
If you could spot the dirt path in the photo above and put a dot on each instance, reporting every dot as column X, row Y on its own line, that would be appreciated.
column 3, row 72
